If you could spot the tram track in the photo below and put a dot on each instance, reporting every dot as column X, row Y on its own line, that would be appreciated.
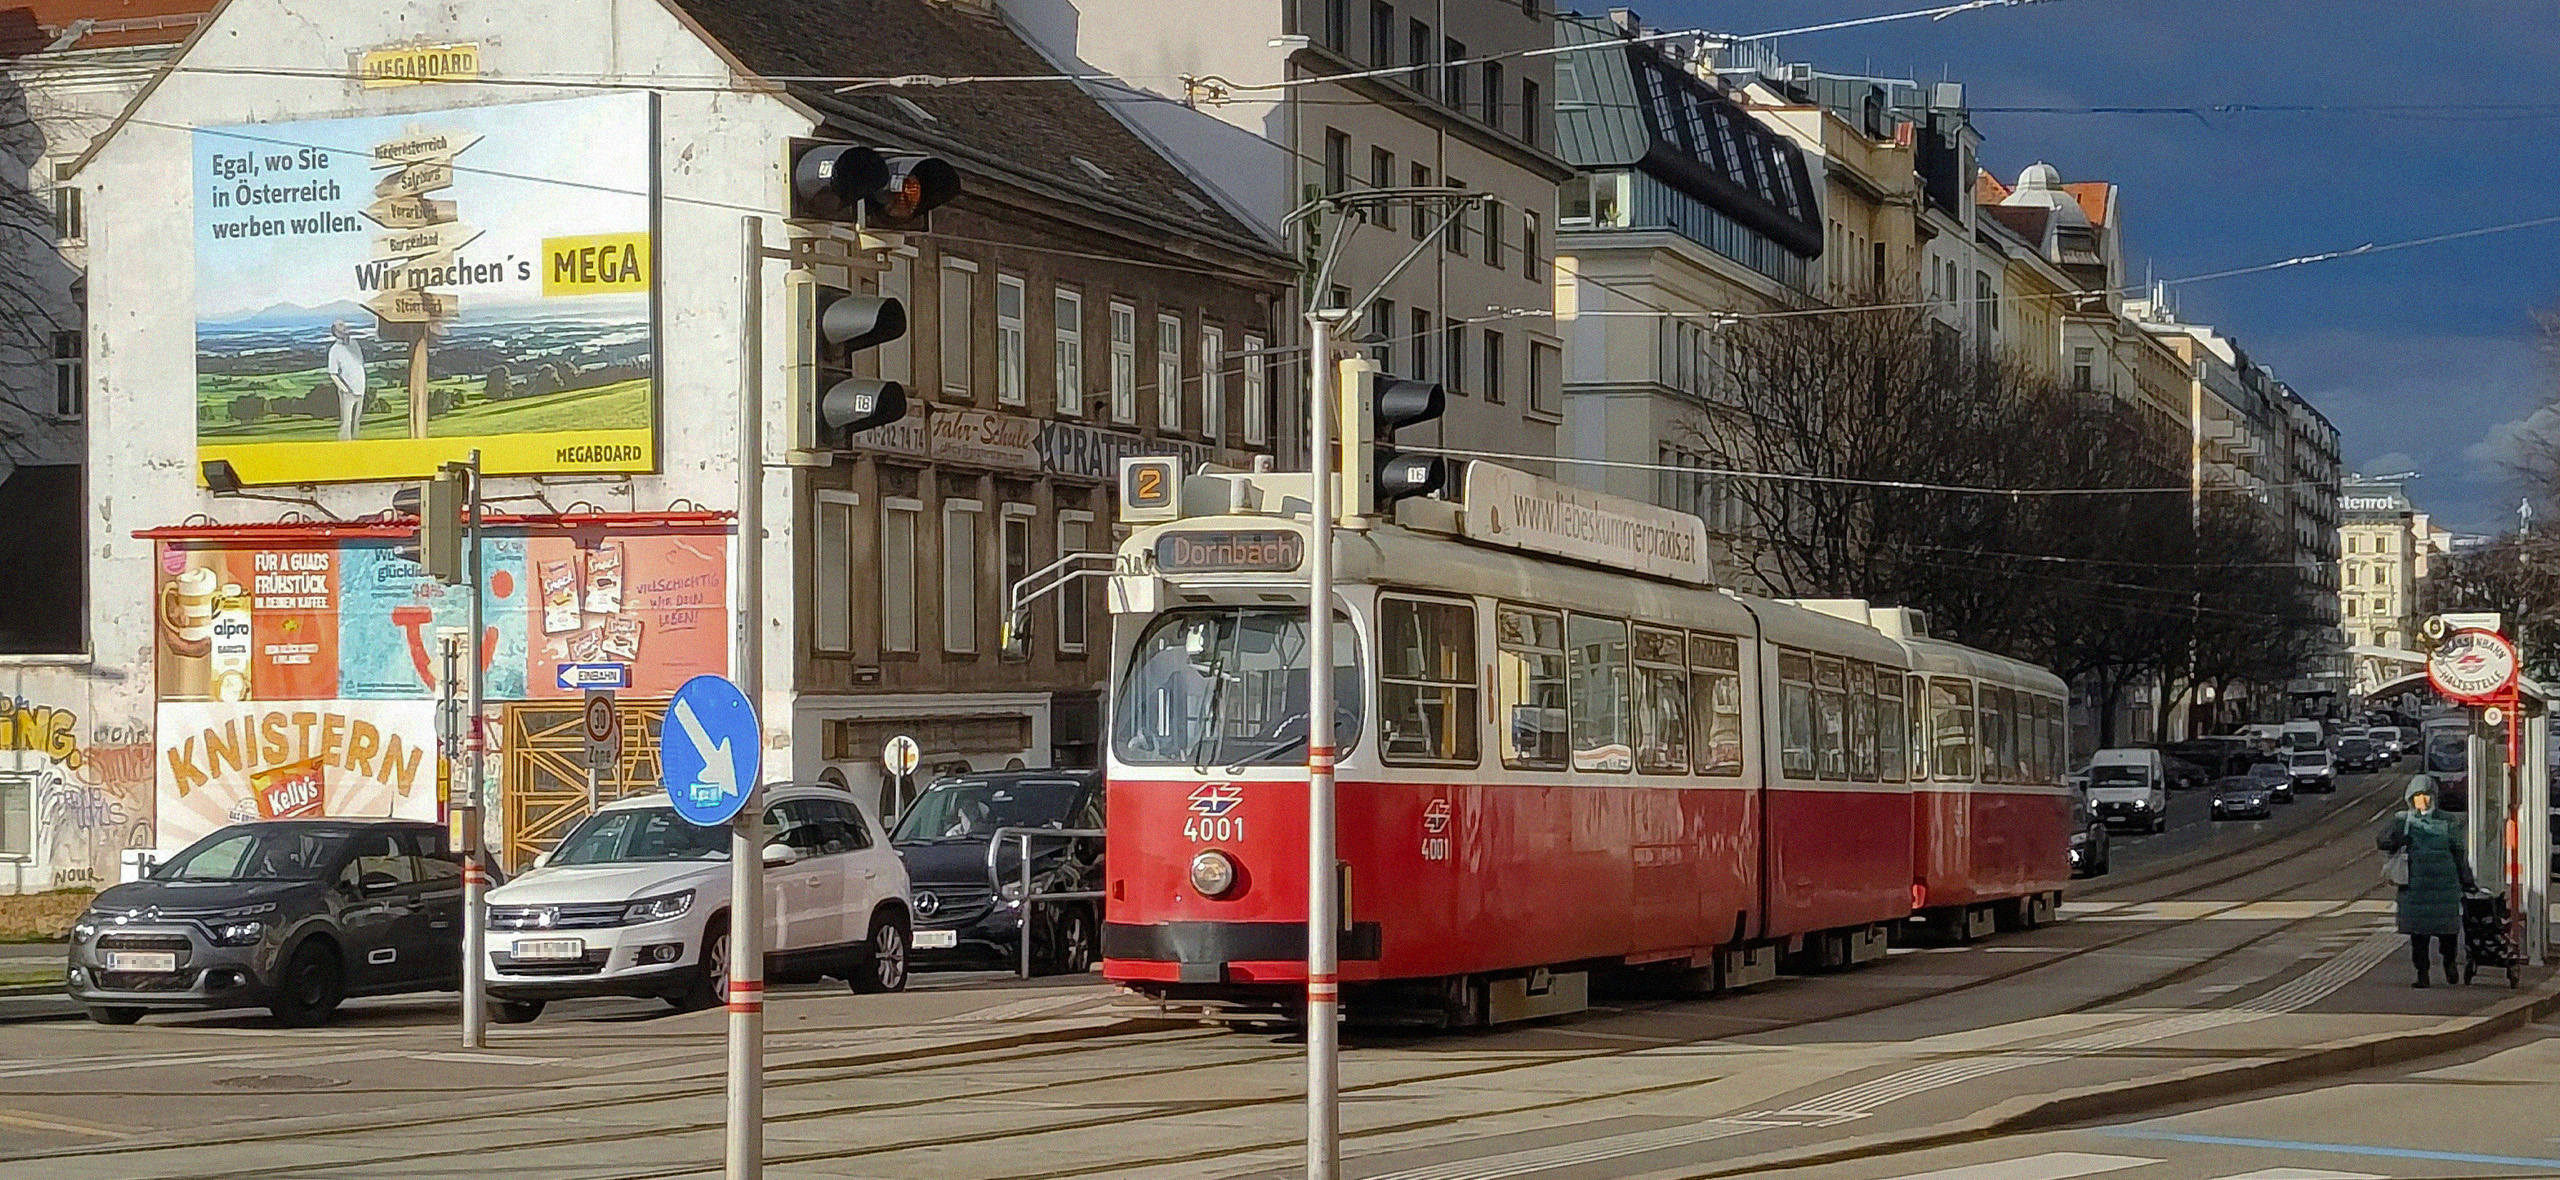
column 2274, row 853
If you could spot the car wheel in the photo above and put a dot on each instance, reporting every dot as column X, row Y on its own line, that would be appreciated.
column 710, row 987
column 1070, row 943
column 515, row 1011
column 313, row 984
column 117, row 1016
column 884, row 956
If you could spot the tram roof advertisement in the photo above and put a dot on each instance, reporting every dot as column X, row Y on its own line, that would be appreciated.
column 1524, row 511
column 513, row 243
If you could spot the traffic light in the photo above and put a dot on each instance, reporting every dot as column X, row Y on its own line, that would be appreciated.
column 849, row 182
column 1374, row 406
column 439, row 507
column 828, row 326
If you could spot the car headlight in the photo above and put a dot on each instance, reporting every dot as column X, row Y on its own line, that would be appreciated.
column 238, row 933
column 84, row 929
column 657, row 909
column 1213, row 873
column 2142, row 805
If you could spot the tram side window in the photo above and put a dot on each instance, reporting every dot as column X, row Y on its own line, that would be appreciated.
column 1715, row 684
column 1831, row 718
column 1951, row 730
column 1918, row 729
column 1529, row 667
column 1598, row 651
column 1995, row 736
column 1795, row 721
column 1427, row 682
column 2015, row 738
column 1862, row 722
column 2049, row 740
column 1892, row 735
column 1662, row 702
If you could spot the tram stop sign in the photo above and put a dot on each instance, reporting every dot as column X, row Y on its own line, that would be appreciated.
column 709, row 752
column 900, row 755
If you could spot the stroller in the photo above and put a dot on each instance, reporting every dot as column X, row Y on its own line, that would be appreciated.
column 2485, row 936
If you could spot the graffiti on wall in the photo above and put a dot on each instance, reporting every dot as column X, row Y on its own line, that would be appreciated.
column 87, row 793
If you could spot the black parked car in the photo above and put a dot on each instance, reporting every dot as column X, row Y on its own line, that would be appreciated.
column 291, row 915
column 966, row 916
column 2358, row 756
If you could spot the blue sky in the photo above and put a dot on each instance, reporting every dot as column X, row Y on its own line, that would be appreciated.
column 2425, row 358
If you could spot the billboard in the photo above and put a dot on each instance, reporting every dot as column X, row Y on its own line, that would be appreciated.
column 375, row 296
column 350, row 620
column 226, row 762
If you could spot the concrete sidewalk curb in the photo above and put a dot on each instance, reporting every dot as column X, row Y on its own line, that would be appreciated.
column 2039, row 1112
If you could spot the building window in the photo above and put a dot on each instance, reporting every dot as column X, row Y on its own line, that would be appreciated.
column 1337, row 161
column 1124, row 363
column 70, row 373
column 1169, row 373
column 1013, row 546
column 1074, row 535
column 17, row 817
column 1546, row 378
column 831, row 575
column 1455, row 241
column 1494, row 216
column 1422, row 318
column 1068, row 310
column 1382, row 174
column 898, row 519
column 1533, row 111
column 66, row 214
column 1453, row 76
column 959, row 317
column 1418, row 49
column 1382, row 33
column 1213, row 384
column 1426, row 214
column 1009, row 362
column 1382, row 327
column 1489, row 90
column 960, row 575
column 1988, row 305
column 1337, row 25
column 1490, row 376
column 1453, row 353
column 2084, row 369
column 1257, row 409
column 1530, row 232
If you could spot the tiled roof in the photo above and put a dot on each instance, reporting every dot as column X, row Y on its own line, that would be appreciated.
column 1053, row 135
column 30, row 27
column 2092, row 195
column 1987, row 189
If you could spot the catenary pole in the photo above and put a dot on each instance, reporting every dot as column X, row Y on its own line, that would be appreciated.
column 1324, row 986
column 745, row 1150
column 475, row 837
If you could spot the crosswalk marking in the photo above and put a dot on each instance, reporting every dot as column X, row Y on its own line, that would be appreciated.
column 2052, row 1165
column 2303, row 1174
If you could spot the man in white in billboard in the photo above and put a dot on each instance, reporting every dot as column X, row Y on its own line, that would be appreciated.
column 346, row 370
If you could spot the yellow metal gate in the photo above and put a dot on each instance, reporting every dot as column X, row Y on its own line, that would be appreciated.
column 544, row 784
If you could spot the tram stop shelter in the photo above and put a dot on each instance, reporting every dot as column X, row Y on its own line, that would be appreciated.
column 2507, row 806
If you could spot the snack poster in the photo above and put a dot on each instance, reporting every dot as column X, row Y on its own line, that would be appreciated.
column 513, row 245
column 354, row 620
column 226, row 762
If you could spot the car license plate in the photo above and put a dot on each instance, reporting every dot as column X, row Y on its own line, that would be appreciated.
column 937, row 940
column 142, row 961
column 551, row 948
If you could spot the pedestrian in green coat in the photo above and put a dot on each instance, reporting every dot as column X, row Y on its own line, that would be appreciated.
column 2439, row 874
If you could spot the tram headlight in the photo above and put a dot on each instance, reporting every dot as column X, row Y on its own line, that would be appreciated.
column 1213, row 873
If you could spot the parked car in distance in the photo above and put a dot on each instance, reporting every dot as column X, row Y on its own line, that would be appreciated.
column 2311, row 770
column 2357, row 756
column 635, row 902
column 965, row 913
column 2090, row 854
column 290, row 915
column 2241, row 797
column 2272, row 775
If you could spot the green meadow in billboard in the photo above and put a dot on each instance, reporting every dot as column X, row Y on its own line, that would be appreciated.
column 376, row 296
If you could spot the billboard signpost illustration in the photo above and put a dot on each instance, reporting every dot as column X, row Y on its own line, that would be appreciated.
column 375, row 296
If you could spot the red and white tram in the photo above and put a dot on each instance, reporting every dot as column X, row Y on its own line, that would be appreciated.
column 1562, row 749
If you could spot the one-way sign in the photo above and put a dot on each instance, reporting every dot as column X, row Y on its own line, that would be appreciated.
column 708, row 751
column 574, row 677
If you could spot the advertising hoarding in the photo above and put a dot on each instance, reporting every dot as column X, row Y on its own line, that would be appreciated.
column 375, row 296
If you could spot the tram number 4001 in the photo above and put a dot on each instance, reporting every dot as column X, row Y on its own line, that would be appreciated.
column 1209, row 830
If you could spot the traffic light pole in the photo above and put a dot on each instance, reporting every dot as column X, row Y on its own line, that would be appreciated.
column 745, row 1146
column 475, row 828
column 1324, row 985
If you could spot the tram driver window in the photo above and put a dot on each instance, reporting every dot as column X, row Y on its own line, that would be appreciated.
column 1228, row 687
column 1427, row 682
column 1529, row 686
column 1715, row 680
column 1597, row 649
column 1795, row 720
column 1662, row 702
column 1951, row 730
column 1831, row 716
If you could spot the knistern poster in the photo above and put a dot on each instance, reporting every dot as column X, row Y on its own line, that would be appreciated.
column 510, row 245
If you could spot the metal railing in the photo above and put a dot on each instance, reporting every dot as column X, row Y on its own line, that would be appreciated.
column 1029, row 898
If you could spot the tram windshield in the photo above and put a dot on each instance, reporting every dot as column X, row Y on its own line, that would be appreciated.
column 1227, row 687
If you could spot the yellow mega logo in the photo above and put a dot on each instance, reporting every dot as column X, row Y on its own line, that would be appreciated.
column 595, row 264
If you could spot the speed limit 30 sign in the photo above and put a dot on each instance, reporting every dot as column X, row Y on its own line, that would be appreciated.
column 603, row 728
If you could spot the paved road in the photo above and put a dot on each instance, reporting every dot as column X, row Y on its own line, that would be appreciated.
column 2241, row 945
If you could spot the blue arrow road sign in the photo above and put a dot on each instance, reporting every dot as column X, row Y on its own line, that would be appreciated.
column 708, row 751
column 574, row 677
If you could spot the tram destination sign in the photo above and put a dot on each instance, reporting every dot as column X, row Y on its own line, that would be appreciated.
column 1229, row 551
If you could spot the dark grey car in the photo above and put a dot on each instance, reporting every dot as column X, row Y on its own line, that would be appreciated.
column 290, row 915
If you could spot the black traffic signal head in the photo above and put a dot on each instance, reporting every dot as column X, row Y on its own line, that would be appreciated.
column 1395, row 403
column 832, row 325
column 851, row 322
column 914, row 187
column 829, row 181
column 1402, row 477
column 1401, row 403
column 856, row 404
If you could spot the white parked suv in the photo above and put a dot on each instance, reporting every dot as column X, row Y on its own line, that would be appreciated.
column 635, row 902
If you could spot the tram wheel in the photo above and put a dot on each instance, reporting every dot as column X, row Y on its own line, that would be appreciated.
column 1462, row 1003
